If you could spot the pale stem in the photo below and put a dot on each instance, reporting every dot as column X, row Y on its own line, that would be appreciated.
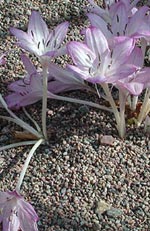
column 44, row 101
column 143, row 47
column 145, row 108
column 32, row 120
column 112, row 102
column 134, row 102
column 17, row 144
column 23, row 125
column 129, row 101
column 122, row 103
column 32, row 151
column 72, row 100
column 17, row 120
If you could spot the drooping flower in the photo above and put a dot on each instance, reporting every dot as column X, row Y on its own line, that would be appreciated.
column 16, row 214
column 38, row 39
column 120, row 18
column 96, row 62
column 28, row 90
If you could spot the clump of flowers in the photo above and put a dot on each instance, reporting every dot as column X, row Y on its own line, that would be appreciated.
column 110, row 57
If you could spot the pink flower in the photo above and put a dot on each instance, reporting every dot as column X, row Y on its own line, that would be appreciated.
column 120, row 18
column 16, row 214
column 96, row 62
column 39, row 40
column 28, row 90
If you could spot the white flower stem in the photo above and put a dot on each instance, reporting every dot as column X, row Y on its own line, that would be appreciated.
column 32, row 151
column 17, row 120
column 14, row 145
column 145, row 108
column 32, row 120
column 134, row 102
column 112, row 103
column 44, row 101
column 79, row 101
column 122, row 125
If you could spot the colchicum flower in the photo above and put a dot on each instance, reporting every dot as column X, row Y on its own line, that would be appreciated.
column 39, row 40
column 28, row 90
column 96, row 62
column 16, row 214
column 120, row 18
column 134, row 84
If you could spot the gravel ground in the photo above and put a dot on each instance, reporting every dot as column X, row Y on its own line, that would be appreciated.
column 75, row 183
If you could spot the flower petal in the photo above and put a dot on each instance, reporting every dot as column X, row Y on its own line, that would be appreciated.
column 30, row 68
column 120, row 19
column 25, row 41
column 37, row 28
column 137, row 25
column 28, row 209
column 81, row 54
column 56, row 37
column 65, row 76
column 136, row 57
column 26, row 223
column 99, row 23
column 96, row 41
column 134, row 88
column 83, row 71
column 121, row 51
column 25, row 94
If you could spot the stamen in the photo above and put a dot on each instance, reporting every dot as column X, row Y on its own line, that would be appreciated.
column 90, row 69
column 47, row 43
column 55, row 43
column 38, row 45
column 89, row 56
column 117, row 18
column 32, row 33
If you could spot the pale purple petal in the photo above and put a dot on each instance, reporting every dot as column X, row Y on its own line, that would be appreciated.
column 94, row 8
column 134, row 88
column 26, row 224
column 97, row 79
column 17, row 214
column 37, row 28
column 81, row 54
column 25, row 41
column 120, row 19
column 99, row 23
column 65, row 76
column 136, row 57
column 83, row 71
column 122, row 51
column 29, row 210
column 16, row 101
column 114, row 74
column 10, row 219
column 30, row 68
column 25, row 93
column 137, row 25
column 96, row 41
column 57, row 36
column 143, row 77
